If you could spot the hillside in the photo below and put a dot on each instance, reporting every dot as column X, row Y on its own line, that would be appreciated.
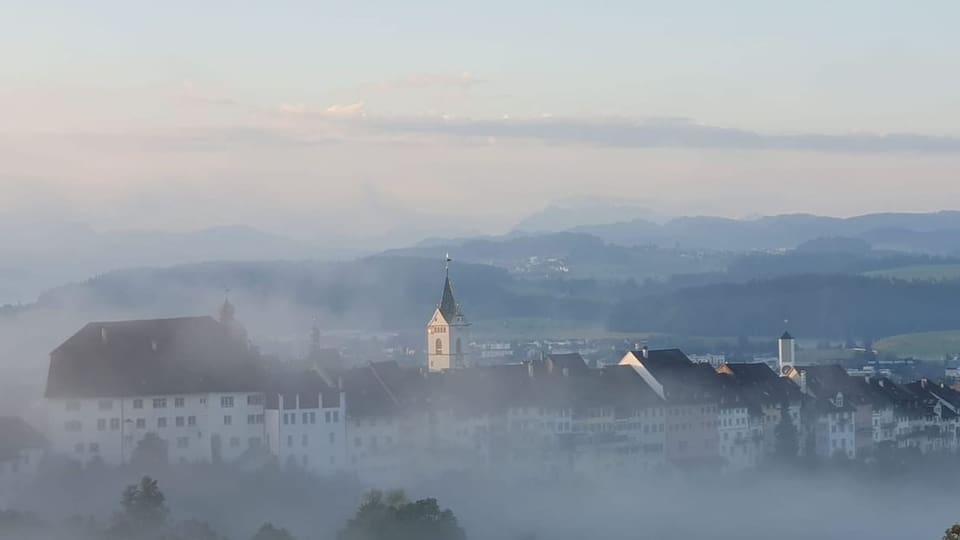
column 934, row 233
column 837, row 306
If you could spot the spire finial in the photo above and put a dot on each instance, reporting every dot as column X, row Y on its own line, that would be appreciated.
column 447, row 265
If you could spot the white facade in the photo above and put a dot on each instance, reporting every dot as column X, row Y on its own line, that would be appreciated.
column 313, row 438
column 741, row 436
column 195, row 427
column 787, row 349
column 446, row 342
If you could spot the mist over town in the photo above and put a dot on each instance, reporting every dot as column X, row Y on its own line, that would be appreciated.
column 425, row 271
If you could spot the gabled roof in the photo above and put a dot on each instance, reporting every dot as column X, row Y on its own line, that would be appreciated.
column 682, row 379
column 16, row 435
column 758, row 383
column 786, row 335
column 572, row 362
column 156, row 356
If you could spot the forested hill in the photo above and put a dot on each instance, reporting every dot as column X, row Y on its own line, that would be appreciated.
column 388, row 293
column 840, row 306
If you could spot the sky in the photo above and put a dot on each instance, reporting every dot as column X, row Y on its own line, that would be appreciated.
column 358, row 119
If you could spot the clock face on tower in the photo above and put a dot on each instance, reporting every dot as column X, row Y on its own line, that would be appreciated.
column 784, row 370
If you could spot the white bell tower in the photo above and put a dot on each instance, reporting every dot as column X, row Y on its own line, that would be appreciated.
column 447, row 331
column 788, row 349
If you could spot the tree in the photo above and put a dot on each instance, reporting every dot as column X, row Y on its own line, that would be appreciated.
column 953, row 533
column 269, row 532
column 787, row 438
column 392, row 517
column 150, row 452
column 144, row 502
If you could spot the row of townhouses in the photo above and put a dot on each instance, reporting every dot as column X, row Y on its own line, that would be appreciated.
column 197, row 385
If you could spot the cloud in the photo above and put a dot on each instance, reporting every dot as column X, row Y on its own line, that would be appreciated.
column 666, row 133
column 420, row 81
column 335, row 110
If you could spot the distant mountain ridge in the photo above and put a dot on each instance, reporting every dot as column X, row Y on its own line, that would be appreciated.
column 935, row 233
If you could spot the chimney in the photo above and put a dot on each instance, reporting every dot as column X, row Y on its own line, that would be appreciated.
column 646, row 351
column 923, row 383
column 103, row 334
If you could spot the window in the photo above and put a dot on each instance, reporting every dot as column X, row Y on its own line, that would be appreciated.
column 313, row 418
column 102, row 424
column 179, row 402
column 226, row 402
column 138, row 404
column 304, row 441
column 234, row 442
column 438, row 346
column 73, row 405
column 160, row 403
column 162, row 422
column 141, row 423
column 336, row 416
column 459, row 347
column 228, row 420
column 73, row 426
column 114, row 424
column 191, row 421
column 306, row 418
column 179, row 421
column 183, row 442
column 105, row 404
column 255, row 399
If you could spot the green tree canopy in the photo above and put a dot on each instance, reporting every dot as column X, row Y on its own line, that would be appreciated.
column 392, row 516
column 953, row 533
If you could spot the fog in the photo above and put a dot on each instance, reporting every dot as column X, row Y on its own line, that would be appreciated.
column 832, row 503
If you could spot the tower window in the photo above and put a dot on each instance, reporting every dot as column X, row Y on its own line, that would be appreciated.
column 438, row 346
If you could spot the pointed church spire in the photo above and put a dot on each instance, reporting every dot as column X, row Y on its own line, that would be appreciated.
column 227, row 311
column 448, row 304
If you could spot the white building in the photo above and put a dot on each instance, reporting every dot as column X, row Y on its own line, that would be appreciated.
column 306, row 428
column 192, row 381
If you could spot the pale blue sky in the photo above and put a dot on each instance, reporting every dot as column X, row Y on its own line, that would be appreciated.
column 209, row 84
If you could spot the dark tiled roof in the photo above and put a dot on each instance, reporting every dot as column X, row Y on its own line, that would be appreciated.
column 309, row 386
column 572, row 362
column 157, row 356
column 16, row 435
column 448, row 305
column 758, row 383
column 786, row 335
column 682, row 379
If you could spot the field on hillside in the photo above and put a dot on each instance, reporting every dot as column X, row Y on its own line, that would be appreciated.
column 925, row 345
column 933, row 272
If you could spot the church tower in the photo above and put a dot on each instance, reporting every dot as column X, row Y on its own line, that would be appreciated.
column 787, row 350
column 447, row 332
